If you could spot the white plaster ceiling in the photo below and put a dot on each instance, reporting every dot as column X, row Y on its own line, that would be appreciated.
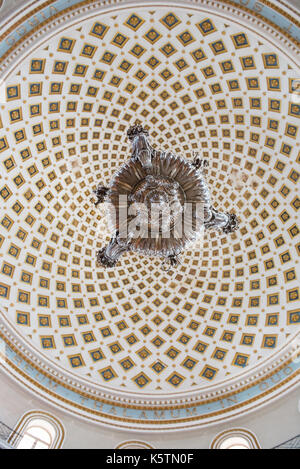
column 233, row 301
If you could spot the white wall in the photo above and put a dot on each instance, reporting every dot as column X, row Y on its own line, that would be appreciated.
column 273, row 425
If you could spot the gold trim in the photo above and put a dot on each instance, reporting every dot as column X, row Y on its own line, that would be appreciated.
column 282, row 12
column 51, row 377
column 21, row 11
column 140, row 421
column 231, row 431
column 139, row 407
column 220, row 15
column 32, row 13
column 85, row 2
column 134, row 442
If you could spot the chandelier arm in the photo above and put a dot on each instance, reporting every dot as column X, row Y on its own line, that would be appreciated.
column 110, row 254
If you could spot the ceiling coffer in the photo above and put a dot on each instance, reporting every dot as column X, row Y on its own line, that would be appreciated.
column 158, row 203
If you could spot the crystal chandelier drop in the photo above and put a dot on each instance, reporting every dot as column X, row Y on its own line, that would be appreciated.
column 158, row 203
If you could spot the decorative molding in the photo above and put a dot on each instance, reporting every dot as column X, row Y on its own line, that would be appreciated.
column 236, row 432
column 51, row 18
column 239, row 395
column 200, row 405
column 134, row 444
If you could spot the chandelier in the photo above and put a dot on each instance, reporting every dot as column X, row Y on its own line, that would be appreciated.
column 158, row 203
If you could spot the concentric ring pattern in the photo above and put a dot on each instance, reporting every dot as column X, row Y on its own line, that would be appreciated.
column 200, row 85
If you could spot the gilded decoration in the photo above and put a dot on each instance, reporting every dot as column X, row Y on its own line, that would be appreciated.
column 204, row 87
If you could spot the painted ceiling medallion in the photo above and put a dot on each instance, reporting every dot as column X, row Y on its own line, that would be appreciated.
column 158, row 203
